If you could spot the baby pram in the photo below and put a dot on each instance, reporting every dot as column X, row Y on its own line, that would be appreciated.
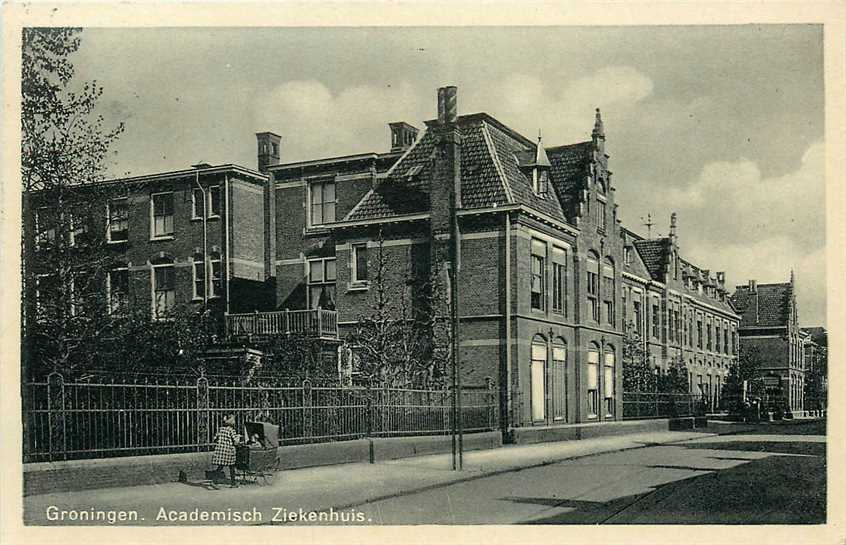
column 258, row 461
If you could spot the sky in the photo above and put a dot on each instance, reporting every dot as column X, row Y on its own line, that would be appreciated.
column 722, row 124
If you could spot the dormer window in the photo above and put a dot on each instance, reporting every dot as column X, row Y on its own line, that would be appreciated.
column 541, row 181
column 540, row 166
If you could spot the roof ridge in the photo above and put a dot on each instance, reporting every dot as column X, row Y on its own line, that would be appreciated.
column 495, row 158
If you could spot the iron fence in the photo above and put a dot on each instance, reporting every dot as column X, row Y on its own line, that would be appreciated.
column 73, row 420
column 662, row 405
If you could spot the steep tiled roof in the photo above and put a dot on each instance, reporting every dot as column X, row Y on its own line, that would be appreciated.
column 769, row 306
column 652, row 252
column 569, row 171
column 490, row 174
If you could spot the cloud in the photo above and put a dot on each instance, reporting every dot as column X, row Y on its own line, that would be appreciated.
column 759, row 227
column 315, row 122
column 566, row 102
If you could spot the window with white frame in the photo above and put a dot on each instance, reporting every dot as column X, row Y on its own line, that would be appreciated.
column 359, row 263
column 199, row 269
column 593, row 381
column 117, row 288
column 202, row 200
column 608, row 290
column 214, row 201
column 216, row 285
column 538, row 279
column 321, row 283
column 118, row 214
column 593, row 286
column 46, row 221
column 198, row 203
column 608, row 384
column 322, row 198
column 78, row 228
column 559, row 280
column 161, row 210
column 559, row 379
column 538, row 377
column 164, row 289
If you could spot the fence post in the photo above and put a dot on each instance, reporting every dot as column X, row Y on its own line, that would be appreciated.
column 307, row 416
column 56, row 415
column 202, row 412
column 287, row 318
column 491, row 400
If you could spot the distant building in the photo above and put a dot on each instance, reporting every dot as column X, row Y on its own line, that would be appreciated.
column 769, row 326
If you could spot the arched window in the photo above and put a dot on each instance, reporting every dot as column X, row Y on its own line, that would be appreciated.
column 559, row 379
column 608, row 380
column 593, row 380
column 538, row 377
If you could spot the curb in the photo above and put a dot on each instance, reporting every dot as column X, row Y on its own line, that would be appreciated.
column 483, row 474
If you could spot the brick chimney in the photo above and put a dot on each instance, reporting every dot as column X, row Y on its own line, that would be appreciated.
column 445, row 182
column 753, row 286
column 268, row 149
column 402, row 135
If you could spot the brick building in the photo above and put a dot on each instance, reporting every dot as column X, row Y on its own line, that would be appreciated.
column 679, row 311
column 548, row 278
column 769, row 326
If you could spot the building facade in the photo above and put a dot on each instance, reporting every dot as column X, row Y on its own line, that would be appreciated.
column 769, row 327
column 548, row 280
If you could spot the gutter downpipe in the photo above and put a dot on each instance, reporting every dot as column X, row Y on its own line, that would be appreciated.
column 507, row 401
column 205, row 243
column 226, row 236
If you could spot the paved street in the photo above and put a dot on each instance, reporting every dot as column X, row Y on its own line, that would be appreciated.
column 774, row 475
column 771, row 474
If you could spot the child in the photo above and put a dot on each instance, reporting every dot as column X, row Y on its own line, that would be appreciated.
column 224, row 448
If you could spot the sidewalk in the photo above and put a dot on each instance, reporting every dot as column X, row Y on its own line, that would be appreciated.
column 321, row 488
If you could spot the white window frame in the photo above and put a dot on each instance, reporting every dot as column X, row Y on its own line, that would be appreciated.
column 109, row 298
column 194, row 201
column 109, row 221
column 215, row 258
column 609, row 386
column 172, row 234
column 322, row 282
column 310, row 212
column 592, row 390
column 212, row 189
column 206, row 198
column 198, row 296
column 153, row 268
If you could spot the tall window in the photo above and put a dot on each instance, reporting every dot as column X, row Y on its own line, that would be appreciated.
column 699, row 333
column 162, row 215
column 593, row 286
column 46, row 223
column 559, row 379
column 717, row 338
column 199, row 276
column 559, row 280
column 608, row 385
column 627, row 255
column 216, row 285
column 359, row 263
column 322, row 202
column 118, row 213
column 593, row 381
column 199, row 206
column 214, row 201
column 321, row 283
column 608, row 290
column 708, row 331
column 638, row 316
column 656, row 320
column 625, row 302
column 538, row 376
column 538, row 275
column 600, row 214
column 164, row 292
column 117, row 287
column 726, row 340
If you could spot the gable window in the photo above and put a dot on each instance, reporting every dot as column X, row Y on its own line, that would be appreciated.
column 600, row 214
column 559, row 280
column 359, row 263
column 164, row 290
column 593, row 286
column 161, row 205
column 117, row 289
column 321, row 283
column 538, row 280
column 322, row 198
column 118, row 214
column 627, row 255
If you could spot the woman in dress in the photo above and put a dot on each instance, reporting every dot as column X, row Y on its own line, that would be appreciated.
column 224, row 447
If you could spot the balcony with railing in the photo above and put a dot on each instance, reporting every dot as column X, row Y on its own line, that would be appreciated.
column 315, row 323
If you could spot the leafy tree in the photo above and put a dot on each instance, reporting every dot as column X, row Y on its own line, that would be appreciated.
column 65, row 260
column 638, row 375
column 747, row 368
column 676, row 379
